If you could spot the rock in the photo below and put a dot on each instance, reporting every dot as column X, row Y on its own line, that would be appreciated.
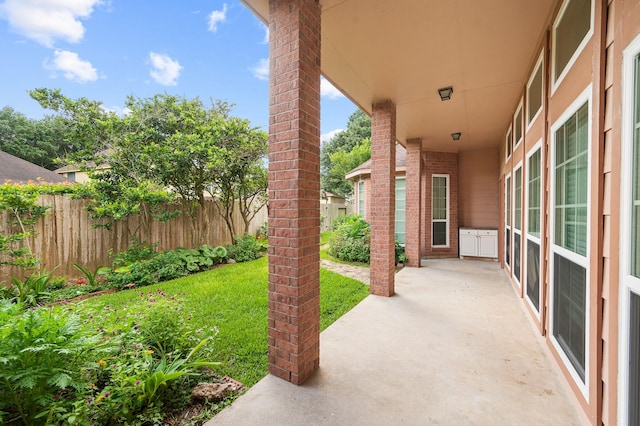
column 213, row 391
column 231, row 261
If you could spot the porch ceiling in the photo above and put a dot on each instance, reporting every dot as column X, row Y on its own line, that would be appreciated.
column 404, row 50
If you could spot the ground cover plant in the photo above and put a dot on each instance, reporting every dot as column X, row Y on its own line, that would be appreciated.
column 133, row 356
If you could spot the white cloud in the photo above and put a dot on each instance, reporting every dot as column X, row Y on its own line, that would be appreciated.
column 217, row 17
column 261, row 69
column 47, row 20
column 119, row 111
column 266, row 35
column 72, row 67
column 328, row 90
column 329, row 135
column 164, row 70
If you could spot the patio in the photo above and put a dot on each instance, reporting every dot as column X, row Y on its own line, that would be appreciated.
column 452, row 346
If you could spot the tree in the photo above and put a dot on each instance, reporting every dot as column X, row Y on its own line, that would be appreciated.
column 343, row 162
column 173, row 143
column 98, row 137
column 40, row 142
column 358, row 129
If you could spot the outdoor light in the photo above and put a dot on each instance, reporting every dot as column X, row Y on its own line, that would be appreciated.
column 456, row 136
column 445, row 93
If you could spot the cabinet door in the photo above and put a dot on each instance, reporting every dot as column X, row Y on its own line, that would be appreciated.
column 468, row 243
column 488, row 244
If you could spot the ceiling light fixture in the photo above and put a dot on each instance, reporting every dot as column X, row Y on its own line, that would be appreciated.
column 456, row 136
column 445, row 93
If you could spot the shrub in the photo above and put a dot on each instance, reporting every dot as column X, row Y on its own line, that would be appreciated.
column 43, row 353
column 246, row 248
column 30, row 291
column 350, row 240
column 165, row 266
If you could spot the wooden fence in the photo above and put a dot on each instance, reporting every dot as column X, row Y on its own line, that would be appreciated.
column 66, row 235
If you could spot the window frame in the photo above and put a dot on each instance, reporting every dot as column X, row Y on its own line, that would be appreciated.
column 556, row 82
column 514, row 229
column 508, row 260
column 530, row 237
column 361, row 198
column 583, row 261
column 516, row 122
column 628, row 283
column 538, row 66
column 448, row 220
column 395, row 223
column 508, row 143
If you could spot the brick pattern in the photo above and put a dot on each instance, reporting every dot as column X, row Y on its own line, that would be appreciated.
column 425, row 214
column 413, row 224
column 383, row 198
column 294, row 189
column 442, row 163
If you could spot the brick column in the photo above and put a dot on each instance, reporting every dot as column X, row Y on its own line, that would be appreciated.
column 294, row 188
column 413, row 213
column 383, row 198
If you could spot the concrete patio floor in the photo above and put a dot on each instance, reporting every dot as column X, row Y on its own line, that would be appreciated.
column 452, row 347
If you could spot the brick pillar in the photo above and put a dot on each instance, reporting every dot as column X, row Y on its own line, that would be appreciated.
column 383, row 198
column 413, row 214
column 426, row 213
column 294, row 188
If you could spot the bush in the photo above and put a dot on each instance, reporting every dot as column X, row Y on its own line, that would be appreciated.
column 165, row 266
column 246, row 248
column 351, row 239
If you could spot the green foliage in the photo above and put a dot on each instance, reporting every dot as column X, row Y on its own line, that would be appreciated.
column 42, row 142
column 350, row 240
column 246, row 248
column 141, row 266
column 92, row 276
column 166, row 141
column 29, row 292
column 138, row 251
column 42, row 357
column 358, row 131
column 400, row 256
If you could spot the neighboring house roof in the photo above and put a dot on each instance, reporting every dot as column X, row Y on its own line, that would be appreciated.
column 83, row 167
column 365, row 168
column 17, row 170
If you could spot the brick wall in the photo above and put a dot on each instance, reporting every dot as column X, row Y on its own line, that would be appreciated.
column 383, row 184
column 442, row 163
column 413, row 223
column 294, row 188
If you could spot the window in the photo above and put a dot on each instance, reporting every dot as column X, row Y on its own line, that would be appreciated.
column 532, row 211
column 361, row 198
column 517, row 221
column 570, row 239
column 440, row 211
column 517, row 126
column 630, row 241
column 507, row 221
column 71, row 176
column 508, row 144
column 571, row 30
column 535, row 93
column 401, row 196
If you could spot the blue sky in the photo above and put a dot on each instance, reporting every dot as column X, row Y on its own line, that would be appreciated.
column 107, row 49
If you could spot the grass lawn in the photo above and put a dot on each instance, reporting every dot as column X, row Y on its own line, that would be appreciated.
column 234, row 299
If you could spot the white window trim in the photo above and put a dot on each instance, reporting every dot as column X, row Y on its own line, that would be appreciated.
column 539, row 65
column 555, row 83
column 513, row 219
column 628, row 283
column 448, row 221
column 508, row 139
column 404, row 178
column 585, row 96
column 525, row 226
column 364, row 207
column 519, row 110
column 508, row 228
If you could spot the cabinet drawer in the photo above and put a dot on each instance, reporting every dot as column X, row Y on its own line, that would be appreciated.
column 489, row 232
column 468, row 232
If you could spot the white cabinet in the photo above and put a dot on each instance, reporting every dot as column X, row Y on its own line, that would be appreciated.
column 478, row 242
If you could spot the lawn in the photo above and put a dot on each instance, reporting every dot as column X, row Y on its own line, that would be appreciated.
column 233, row 298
